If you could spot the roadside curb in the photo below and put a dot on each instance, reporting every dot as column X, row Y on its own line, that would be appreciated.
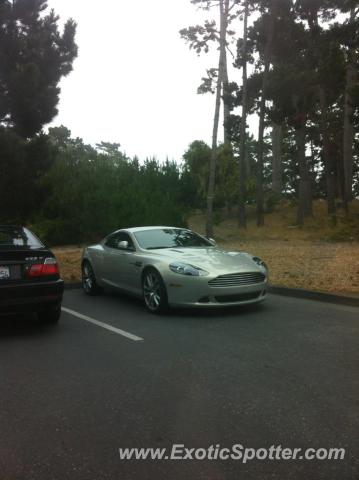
column 286, row 292
column 313, row 295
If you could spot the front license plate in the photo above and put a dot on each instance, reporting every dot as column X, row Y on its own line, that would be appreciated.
column 4, row 273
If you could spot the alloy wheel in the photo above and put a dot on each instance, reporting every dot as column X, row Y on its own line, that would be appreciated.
column 152, row 291
column 87, row 279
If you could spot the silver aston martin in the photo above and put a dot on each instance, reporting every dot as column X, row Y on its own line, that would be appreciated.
column 168, row 266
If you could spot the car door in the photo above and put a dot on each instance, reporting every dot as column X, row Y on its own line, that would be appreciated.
column 119, row 262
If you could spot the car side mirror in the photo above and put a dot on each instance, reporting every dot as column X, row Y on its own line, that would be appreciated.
column 123, row 245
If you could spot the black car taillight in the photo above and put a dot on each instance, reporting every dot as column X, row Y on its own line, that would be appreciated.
column 49, row 268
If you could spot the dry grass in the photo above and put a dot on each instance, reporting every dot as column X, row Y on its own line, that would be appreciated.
column 305, row 257
column 318, row 256
column 280, row 225
column 69, row 259
column 310, row 265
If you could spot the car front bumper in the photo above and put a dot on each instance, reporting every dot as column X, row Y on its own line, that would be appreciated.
column 196, row 292
column 30, row 297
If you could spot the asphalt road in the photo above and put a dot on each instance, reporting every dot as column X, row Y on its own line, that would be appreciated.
column 282, row 373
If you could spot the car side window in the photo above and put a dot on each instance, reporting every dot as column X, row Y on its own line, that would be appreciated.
column 113, row 240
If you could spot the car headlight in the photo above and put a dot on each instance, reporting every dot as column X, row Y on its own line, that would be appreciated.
column 187, row 269
column 260, row 263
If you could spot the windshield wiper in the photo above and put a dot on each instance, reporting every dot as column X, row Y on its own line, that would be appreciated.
column 156, row 248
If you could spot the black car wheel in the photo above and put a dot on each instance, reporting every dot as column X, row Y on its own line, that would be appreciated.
column 154, row 291
column 89, row 283
column 50, row 315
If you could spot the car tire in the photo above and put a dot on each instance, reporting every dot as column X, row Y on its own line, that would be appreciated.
column 154, row 291
column 51, row 316
column 89, row 283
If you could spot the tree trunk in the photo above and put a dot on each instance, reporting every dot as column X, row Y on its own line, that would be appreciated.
column 267, row 55
column 348, row 128
column 340, row 187
column 242, row 221
column 213, row 158
column 277, row 168
column 328, row 153
column 305, row 193
column 260, row 192
column 223, row 5
column 226, row 109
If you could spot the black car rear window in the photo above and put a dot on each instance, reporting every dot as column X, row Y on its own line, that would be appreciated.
column 18, row 236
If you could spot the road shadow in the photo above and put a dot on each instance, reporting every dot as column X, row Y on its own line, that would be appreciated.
column 218, row 312
column 125, row 298
column 22, row 325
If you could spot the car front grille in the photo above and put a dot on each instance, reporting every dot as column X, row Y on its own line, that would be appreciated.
column 237, row 279
column 243, row 297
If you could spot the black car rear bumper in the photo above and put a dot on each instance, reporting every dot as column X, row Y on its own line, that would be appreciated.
column 30, row 297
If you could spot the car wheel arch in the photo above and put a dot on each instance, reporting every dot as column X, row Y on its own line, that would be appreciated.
column 148, row 268
column 88, row 260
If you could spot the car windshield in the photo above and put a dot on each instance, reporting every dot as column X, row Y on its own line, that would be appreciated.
column 170, row 237
column 18, row 236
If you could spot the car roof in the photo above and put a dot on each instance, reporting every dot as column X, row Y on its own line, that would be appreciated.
column 154, row 227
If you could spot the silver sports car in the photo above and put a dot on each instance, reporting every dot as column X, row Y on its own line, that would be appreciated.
column 169, row 266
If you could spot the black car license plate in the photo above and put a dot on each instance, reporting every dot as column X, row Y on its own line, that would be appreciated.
column 4, row 272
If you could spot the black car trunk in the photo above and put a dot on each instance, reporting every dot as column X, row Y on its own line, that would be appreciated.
column 29, row 274
column 15, row 262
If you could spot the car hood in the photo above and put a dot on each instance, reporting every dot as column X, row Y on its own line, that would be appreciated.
column 211, row 259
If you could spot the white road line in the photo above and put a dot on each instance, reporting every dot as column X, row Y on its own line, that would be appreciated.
column 135, row 338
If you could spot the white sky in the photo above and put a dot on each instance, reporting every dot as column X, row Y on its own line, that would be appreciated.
column 135, row 80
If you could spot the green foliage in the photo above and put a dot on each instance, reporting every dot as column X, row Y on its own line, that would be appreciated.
column 71, row 192
column 92, row 193
column 196, row 164
column 21, row 168
column 34, row 56
column 12, row 166
column 227, row 177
